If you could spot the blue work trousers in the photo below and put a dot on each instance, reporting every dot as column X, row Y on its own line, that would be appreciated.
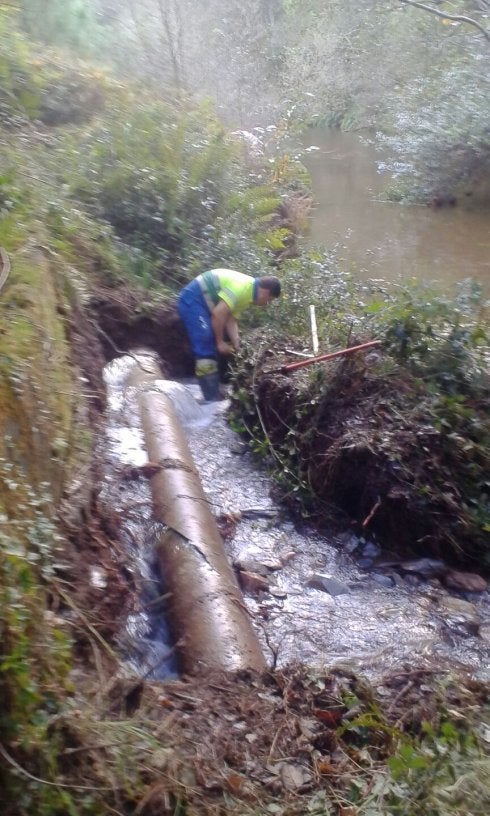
column 194, row 313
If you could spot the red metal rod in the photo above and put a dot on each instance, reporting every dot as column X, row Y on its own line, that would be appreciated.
column 322, row 357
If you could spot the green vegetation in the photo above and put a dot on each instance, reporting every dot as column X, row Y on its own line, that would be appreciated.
column 404, row 429
column 316, row 62
column 108, row 187
column 70, row 23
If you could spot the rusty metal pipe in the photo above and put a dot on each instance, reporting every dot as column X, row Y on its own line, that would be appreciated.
column 207, row 615
column 285, row 369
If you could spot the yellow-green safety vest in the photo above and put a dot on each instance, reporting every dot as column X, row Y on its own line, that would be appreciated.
column 235, row 288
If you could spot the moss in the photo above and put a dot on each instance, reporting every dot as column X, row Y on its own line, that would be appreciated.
column 38, row 386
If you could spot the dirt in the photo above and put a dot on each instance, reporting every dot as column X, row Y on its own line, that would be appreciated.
column 367, row 453
column 126, row 319
column 288, row 742
column 362, row 457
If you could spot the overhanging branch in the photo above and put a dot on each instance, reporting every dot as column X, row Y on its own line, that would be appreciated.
column 457, row 18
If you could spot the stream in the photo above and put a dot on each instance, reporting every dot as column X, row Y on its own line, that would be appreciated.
column 376, row 238
column 325, row 601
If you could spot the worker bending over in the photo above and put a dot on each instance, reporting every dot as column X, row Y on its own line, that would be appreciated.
column 208, row 307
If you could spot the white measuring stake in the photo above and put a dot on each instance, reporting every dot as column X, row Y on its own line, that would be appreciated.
column 314, row 332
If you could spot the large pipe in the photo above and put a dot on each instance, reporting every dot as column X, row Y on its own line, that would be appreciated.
column 207, row 615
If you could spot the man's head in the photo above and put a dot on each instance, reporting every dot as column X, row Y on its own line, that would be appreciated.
column 268, row 288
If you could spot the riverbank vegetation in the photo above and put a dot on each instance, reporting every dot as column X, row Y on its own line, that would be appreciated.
column 113, row 192
column 397, row 438
column 285, row 61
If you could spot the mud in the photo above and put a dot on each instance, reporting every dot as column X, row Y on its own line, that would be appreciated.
column 366, row 448
column 359, row 622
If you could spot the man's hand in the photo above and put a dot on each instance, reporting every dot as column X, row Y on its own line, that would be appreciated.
column 225, row 348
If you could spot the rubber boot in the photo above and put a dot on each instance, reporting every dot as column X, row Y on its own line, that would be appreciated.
column 210, row 386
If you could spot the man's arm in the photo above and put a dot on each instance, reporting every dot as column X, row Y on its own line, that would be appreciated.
column 232, row 332
column 220, row 317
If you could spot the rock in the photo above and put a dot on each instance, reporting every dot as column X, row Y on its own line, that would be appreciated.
column 253, row 582
column 348, row 542
column 260, row 567
column 251, row 565
column 412, row 580
column 464, row 581
column 383, row 580
column 327, row 584
column 285, row 558
column 398, row 580
column 484, row 631
column 278, row 593
column 456, row 606
column 272, row 566
column 460, row 616
column 428, row 567
column 371, row 550
column 238, row 448
column 365, row 563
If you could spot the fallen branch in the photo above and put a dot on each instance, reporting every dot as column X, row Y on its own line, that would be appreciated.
column 457, row 18
column 371, row 514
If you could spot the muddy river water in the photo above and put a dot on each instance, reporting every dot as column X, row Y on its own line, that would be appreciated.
column 376, row 238
column 325, row 603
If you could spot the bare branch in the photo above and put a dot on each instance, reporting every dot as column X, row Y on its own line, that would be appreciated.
column 458, row 18
column 483, row 5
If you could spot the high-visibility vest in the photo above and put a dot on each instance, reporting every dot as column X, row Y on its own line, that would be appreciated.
column 236, row 289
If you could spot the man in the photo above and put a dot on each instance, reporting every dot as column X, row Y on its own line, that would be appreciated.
column 208, row 307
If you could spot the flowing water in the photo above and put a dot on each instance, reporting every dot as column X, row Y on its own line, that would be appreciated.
column 370, row 621
column 145, row 643
column 376, row 238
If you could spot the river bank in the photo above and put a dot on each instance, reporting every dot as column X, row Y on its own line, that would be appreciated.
column 299, row 737
column 368, row 439
column 110, row 202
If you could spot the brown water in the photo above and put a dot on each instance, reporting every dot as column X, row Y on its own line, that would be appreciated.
column 378, row 239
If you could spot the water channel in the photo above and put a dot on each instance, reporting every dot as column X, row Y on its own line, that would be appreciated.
column 376, row 238
column 352, row 614
column 326, row 600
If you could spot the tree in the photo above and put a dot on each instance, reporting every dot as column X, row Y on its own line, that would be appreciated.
column 60, row 22
column 479, row 8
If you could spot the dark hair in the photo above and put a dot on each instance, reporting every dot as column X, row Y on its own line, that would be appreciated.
column 272, row 284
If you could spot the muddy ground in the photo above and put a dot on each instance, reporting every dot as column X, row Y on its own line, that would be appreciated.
column 287, row 742
column 365, row 458
column 362, row 437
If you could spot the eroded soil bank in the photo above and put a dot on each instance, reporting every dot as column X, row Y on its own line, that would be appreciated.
column 357, row 441
column 288, row 742
column 361, row 441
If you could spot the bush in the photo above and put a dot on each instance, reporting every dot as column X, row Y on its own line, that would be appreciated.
column 406, row 432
